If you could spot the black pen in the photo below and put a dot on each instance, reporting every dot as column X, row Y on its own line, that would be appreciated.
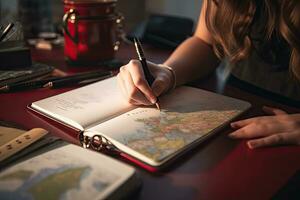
column 147, row 73
column 28, row 85
column 41, row 83
column 6, row 31
column 77, row 80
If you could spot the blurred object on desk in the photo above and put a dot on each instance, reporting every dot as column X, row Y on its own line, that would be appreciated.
column 15, row 142
column 46, row 41
column 16, row 64
column 8, row 12
column 35, row 16
column 13, row 55
column 15, row 32
column 23, row 74
column 163, row 31
column 134, row 12
column 93, row 31
column 58, row 81
column 5, row 31
column 79, row 79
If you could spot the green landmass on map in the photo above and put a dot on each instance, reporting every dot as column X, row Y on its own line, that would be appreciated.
column 19, row 175
column 53, row 186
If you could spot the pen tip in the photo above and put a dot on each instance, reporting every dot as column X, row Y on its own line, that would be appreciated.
column 157, row 106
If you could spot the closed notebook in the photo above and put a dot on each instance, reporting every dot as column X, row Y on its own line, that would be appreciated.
column 67, row 171
column 152, row 137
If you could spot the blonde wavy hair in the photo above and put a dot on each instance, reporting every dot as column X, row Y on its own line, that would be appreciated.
column 272, row 27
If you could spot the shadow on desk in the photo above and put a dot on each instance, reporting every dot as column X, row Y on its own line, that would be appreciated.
column 291, row 190
column 263, row 93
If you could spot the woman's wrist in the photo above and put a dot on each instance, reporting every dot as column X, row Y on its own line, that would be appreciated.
column 173, row 76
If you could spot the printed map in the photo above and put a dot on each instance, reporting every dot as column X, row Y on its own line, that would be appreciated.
column 161, row 136
column 54, row 176
column 187, row 115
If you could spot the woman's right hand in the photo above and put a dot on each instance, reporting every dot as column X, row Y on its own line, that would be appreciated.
column 136, row 89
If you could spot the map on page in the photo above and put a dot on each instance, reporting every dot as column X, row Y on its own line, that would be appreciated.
column 54, row 175
column 164, row 134
column 182, row 120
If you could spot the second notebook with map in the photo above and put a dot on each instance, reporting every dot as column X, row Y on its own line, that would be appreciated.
column 100, row 113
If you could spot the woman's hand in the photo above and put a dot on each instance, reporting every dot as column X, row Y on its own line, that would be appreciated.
column 279, row 129
column 136, row 89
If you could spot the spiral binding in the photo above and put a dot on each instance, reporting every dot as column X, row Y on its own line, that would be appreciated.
column 98, row 143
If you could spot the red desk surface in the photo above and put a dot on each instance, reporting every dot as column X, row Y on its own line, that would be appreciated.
column 220, row 168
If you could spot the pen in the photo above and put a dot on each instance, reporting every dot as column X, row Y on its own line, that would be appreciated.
column 26, row 85
column 6, row 31
column 41, row 83
column 147, row 73
column 78, row 80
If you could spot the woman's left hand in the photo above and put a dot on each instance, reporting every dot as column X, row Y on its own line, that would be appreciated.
column 278, row 129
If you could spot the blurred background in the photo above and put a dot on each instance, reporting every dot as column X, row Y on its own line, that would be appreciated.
column 46, row 15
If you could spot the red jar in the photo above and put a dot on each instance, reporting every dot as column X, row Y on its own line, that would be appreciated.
column 92, row 30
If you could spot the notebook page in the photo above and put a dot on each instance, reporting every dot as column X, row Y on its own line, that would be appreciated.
column 187, row 115
column 85, row 106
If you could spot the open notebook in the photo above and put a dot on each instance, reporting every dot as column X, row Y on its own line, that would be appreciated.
column 99, row 111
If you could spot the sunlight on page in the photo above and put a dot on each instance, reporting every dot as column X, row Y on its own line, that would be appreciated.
column 85, row 106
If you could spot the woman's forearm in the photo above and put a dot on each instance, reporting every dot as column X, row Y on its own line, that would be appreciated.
column 193, row 59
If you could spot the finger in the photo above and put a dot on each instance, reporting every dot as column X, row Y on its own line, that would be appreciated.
column 273, row 111
column 121, row 85
column 139, row 80
column 276, row 139
column 133, row 92
column 158, row 86
column 254, row 130
column 124, row 90
column 245, row 122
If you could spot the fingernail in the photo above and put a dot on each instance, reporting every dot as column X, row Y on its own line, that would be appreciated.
column 156, row 93
column 153, row 101
column 157, row 90
column 251, row 145
column 232, row 135
column 233, row 125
